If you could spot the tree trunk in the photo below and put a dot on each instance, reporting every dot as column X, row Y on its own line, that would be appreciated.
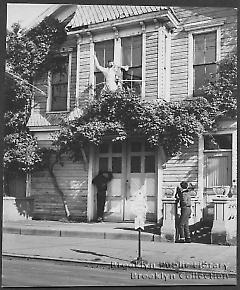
column 55, row 183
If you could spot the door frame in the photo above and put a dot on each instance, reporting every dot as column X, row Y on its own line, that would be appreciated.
column 93, row 169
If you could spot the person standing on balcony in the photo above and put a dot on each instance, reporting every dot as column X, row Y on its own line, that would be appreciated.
column 183, row 195
column 111, row 74
column 101, row 181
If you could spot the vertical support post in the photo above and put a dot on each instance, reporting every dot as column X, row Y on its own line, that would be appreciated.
column 90, row 198
column 91, row 72
column 234, row 155
column 224, row 228
column 28, row 185
column 69, row 79
column 160, row 60
column 78, row 70
column 139, row 244
column 168, row 230
column 49, row 92
column 200, row 185
column 190, row 64
column 160, row 161
column 117, row 48
column 168, row 67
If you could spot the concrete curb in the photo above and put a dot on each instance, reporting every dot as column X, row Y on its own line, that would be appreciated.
column 81, row 234
column 106, row 264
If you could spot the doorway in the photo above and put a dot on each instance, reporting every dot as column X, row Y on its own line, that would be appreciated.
column 133, row 165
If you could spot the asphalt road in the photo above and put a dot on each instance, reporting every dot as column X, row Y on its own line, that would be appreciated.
column 22, row 272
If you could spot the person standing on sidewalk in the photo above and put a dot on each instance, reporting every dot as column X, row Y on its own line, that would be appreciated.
column 101, row 181
column 183, row 195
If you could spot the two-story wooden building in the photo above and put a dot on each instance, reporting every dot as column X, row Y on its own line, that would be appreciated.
column 171, row 52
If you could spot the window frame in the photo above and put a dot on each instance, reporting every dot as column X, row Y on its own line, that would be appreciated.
column 191, row 35
column 117, row 53
column 134, row 67
column 96, row 71
column 50, row 76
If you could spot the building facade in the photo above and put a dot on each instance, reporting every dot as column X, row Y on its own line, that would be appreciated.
column 170, row 52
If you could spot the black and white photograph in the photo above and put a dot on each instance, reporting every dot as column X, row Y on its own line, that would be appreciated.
column 120, row 145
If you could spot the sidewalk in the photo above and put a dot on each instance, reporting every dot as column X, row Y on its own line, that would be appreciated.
column 105, row 230
column 110, row 243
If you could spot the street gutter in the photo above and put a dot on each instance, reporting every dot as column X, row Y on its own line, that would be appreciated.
column 112, row 266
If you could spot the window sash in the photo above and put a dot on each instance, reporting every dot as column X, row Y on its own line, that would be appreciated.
column 205, row 48
column 59, row 88
column 132, row 52
column 205, row 56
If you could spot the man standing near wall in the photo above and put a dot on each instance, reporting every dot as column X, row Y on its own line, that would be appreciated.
column 101, row 181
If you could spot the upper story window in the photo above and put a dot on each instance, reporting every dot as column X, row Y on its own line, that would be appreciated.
column 105, row 53
column 205, row 57
column 58, row 86
column 132, row 56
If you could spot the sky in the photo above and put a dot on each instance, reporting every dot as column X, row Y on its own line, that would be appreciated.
column 24, row 13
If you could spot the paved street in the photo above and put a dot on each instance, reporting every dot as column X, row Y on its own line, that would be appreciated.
column 22, row 272
column 122, row 251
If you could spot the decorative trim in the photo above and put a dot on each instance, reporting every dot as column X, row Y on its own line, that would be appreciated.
column 117, row 51
column 91, row 69
column 43, row 128
column 203, row 25
column 161, row 15
column 116, row 33
column 168, row 67
column 69, row 81
column 160, row 60
column 191, row 52
column 78, row 70
column 190, row 65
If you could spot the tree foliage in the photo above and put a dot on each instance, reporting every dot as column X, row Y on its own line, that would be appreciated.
column 123, row 115
column 173, row 125
column 222, row 94
column 28, row 55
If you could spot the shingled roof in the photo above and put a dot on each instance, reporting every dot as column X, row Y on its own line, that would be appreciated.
column 94, row 14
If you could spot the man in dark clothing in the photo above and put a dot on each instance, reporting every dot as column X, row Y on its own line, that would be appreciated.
column 183, row 195
column 101, row 181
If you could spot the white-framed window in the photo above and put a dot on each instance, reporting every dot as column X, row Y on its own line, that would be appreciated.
column 132, row 56
column 105, row 53
column 204, row 60
column 204, row 54
column 59, row 85
column 126, row 51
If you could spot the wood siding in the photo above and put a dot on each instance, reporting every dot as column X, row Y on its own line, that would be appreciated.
column 182, row 167
column 84, row 73
column 179, row 44
column 72, row 179
column 151, row 65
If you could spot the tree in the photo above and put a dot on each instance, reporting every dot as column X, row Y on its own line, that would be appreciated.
column 222, row 94
column 29, row 54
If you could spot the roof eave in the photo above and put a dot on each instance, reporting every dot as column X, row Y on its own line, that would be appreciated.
column 166, row 16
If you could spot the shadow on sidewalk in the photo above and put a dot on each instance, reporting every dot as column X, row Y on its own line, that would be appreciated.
column 97, row 254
